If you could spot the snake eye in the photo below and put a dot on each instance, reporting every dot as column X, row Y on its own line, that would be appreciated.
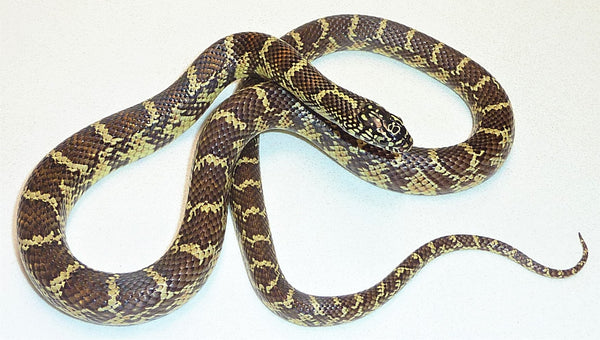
column 394, row 128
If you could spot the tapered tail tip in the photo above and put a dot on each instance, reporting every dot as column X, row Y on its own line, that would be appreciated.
column 582, row 242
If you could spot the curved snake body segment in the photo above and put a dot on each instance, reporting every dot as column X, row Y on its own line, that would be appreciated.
column 227, row 142
column 254, row 236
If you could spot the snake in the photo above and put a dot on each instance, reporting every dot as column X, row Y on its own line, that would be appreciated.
column 278, row 89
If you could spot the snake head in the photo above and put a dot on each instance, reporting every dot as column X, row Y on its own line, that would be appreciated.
column 382, row 129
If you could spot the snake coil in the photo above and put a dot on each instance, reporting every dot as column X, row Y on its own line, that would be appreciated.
column 293, row 96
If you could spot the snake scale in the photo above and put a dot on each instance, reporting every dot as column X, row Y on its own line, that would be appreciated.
column 281, row 91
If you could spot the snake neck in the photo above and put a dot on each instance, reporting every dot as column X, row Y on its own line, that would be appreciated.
column 249, row 55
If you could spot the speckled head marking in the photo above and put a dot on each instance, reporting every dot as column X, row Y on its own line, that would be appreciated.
column 296, row 98
column 382, row 129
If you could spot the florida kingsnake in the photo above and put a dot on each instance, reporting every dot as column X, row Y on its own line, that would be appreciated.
column 226, row 169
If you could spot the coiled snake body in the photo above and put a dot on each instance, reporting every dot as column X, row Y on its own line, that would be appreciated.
column 226, row 171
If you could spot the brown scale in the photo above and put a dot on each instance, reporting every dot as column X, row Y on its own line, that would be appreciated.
column 66, row 172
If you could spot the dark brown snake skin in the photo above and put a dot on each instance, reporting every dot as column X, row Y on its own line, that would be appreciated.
column 226, row 170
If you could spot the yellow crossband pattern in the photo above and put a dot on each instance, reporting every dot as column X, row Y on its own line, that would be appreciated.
column 289, row 74
column 59, row 158
column 324, row 32
column 204, row 207
column 252, row 211
column 113, row 291
column 210, row 159
column 193, row 83
column 255, row 238
column 435, row 54
column 336, row 92
column 230, row 118
column 102, row 131
column 57, row 284
column 43, row 197
column 380, row 31
column 266, row 69
column 161, row 283
column 353, row 26
column 248, row 183
column 197, row 251
column 409, row 37
column 39, row 240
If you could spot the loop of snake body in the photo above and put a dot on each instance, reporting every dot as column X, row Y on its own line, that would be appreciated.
column 225, row 170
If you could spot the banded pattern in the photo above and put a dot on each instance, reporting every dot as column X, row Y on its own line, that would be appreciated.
column 228, row 143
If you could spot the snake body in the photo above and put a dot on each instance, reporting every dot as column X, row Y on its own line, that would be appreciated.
column 226, row 169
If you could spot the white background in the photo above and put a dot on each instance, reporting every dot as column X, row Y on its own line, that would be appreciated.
column 65, row 64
